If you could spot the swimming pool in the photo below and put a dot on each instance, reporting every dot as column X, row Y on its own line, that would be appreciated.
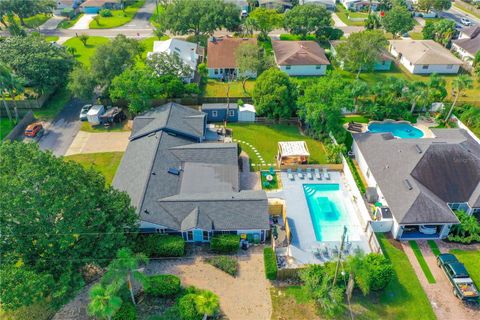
column 328, row 210
column 400, row 130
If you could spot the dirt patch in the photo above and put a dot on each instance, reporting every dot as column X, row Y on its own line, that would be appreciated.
column 87, row 142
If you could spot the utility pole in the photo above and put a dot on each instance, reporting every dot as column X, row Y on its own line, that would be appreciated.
column 340, row 255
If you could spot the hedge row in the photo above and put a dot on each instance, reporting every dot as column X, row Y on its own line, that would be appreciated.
column 224, row 263
column 164, row 285
column 225, row 243
column 270, row 262
column 356, row 175
column 158, row 245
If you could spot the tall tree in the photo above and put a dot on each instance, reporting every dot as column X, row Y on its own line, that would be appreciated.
column 442, row 31
column 247, row 61
column 358, row 88
column 398, row 21
column 169, row 64
column 4, row 76
column 104, row 302
column 459, row 84
column 82, row 83
column 416, row 92
column 27, row 8
column 307, row 19
column 361, row 50
column 274, row 94
column 207, row 303
column 265, row 20
column 438, row 5
column 14, row 86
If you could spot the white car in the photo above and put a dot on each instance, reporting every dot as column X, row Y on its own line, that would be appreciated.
column 466, row 22
column 428, row 229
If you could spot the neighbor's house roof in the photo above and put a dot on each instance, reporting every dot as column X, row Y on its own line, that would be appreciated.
column 384, row 54
column 217, row 106
column 471, row 45
column 247, row 107
column 298, row 53
column 424, row 52
column 418, row 177
column 221, row 51
column 324, row 2
column 97, row 3
column 187, row 51
column 293, row 148
column 181, row 184
column 472, row 31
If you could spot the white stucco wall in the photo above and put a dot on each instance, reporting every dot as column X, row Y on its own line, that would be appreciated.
column 464, row 55
column 436, row 68
column 305, row 70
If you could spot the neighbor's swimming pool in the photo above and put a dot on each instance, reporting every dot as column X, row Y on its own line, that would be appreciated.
column 328, row 211
column 399, row 130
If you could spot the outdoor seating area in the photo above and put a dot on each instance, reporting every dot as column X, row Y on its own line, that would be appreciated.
column 309, row 173
column 355, row 127
column 292, row 152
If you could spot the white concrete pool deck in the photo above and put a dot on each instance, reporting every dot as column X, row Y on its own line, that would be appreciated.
column 303, row 243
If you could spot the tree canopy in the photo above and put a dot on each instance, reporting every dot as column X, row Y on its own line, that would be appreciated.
column 56, row 217
column 442, row 31
column 27, row 8
column 398, row 21
column 307, row 19
column 274, row 94
column 438, row 5
column 265, row 20
column 247, row 58
column 169, row 64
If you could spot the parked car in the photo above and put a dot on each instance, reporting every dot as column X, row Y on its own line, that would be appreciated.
column 33, row 130
column 84, row 111
column 428, row 229
column 463, row 286
column 465, row 21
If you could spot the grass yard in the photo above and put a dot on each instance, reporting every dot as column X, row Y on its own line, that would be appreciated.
column 215, row 88
column 65, row 24
column 291, row 303
column 52, row 38
column 422, row 262
column 117, row 127
column 416, row 35
column 355, row 118
column 118, row 18
column 83, row 53
column 265, row 139
column 343, row 14
column 36, row 20
column 294, row 37
column 433, row 246
column 53, row 106
column 471, row 260
column 106, row 162
column 5, row 127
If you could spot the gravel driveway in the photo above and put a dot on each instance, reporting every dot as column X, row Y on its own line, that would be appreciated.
column 88, row 142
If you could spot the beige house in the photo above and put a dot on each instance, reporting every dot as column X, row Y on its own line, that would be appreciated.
column 300, row 58
column 424, row 56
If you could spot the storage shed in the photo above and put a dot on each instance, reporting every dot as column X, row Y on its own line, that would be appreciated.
column 246, row 113
column 94, row 114
column 292, row 152
column 217, row 112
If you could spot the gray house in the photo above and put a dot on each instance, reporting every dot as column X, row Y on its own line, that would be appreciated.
column 421, row 181
column 180, row 184
column 217, row 112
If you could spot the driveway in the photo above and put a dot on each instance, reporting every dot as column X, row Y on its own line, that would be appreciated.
column 141, row 19
column 52, row 23
column 83, row 22
column 61, row 132
column 337, row 21
column 440, row 294
column 244, row 297
column 88, row 142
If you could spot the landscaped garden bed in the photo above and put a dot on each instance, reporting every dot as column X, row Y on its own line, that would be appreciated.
column 216, row 88
column 269, row 179
column 225, row 263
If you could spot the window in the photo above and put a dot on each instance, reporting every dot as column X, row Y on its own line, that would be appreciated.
column 205, row 235
column 214, row 113
column 425, row 67
column 216, row 71
column 189, row 235
column 231, row 113
column 383, row 62
column 318, row 67
column 449, row 66
column 288, row 67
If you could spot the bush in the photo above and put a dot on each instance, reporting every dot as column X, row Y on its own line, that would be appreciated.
column 163, row 285
column 157, row 245
column 270, row 262
column 106, row 13
column 224, row 263
column 126, row 312
column 380, row 270
column 225, row 243
column 187, row 307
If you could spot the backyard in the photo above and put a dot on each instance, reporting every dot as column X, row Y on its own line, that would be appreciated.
column 65, row 24
column 215, row 88
column 106, row 163
column 118, row 18
column 83, row 53
column 265, row 138
column 5, row 127
column 471, row 260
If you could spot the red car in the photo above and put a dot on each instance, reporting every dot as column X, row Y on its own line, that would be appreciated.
column 33, row 130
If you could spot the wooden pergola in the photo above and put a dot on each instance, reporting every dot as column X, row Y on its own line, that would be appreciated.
column 292, row 152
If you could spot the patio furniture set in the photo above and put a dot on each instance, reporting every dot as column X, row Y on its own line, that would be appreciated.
column 324, row 175
column 328, row 253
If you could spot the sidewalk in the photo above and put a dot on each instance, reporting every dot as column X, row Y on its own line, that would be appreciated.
column 337, row 21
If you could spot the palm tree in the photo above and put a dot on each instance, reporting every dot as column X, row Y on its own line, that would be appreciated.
column 436, row 88
column 4, row 76
column 14, row 87
column 207, row 303
column 103, row 301
column 123, row 269
column 358, row 88
column 416, row 90
column 459, row 84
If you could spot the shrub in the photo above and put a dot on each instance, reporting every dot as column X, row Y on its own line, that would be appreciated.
column 187, row 307
column 106, row 13
column 380, row 270
column 157, row 245
column 270, row 262
column 163, row 285
column 225, row 243
column 126, row 312
column 224, row 263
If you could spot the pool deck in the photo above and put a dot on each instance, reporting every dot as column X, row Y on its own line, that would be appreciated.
column 303, row 242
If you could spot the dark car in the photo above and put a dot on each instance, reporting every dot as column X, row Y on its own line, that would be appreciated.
column 463, row 286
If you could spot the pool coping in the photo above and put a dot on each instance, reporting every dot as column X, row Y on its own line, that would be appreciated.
column 427, row 133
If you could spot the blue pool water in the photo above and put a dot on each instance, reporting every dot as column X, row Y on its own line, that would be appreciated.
column 399, row 130
column 327, row 210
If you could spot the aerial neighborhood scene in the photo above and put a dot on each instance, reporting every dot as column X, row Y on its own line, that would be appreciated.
column 239, row 159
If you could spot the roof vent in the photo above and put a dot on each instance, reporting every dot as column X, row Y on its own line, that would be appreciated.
column 146, row 211
column 174, row 171
column 154, row 174
column 407, row 184
column 417, row 147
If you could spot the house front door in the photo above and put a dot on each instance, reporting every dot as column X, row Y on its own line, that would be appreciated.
column 198, row 235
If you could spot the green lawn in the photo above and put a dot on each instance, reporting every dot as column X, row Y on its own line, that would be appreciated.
column 416, row 35
column 157, row 12
column 83, row 53
column 53, row 106
column 433, row 246
column 265, row 139
column 118, row 127
column 215, row 88
column 51, row 38
column 294, row 37
column 471, row 260
column 342, row 14
column 5, row 127
column 106, row 163
column 65, row 24
column 118, row 18
column 422, row 262
column 36, row 20
column 355, row 118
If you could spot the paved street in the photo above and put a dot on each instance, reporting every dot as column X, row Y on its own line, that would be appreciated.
column 60, row 134
column 456, row 14
column 141, row 19
column 52, row 23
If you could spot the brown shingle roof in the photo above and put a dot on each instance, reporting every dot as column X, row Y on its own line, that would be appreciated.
column 299, row 53
column 221, row 51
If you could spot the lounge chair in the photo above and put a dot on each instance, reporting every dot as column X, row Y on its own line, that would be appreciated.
column 300, row 173
column 326, row 175
column 271, row 170
column 309, row 174
column 290, row 174
column 318, row 175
